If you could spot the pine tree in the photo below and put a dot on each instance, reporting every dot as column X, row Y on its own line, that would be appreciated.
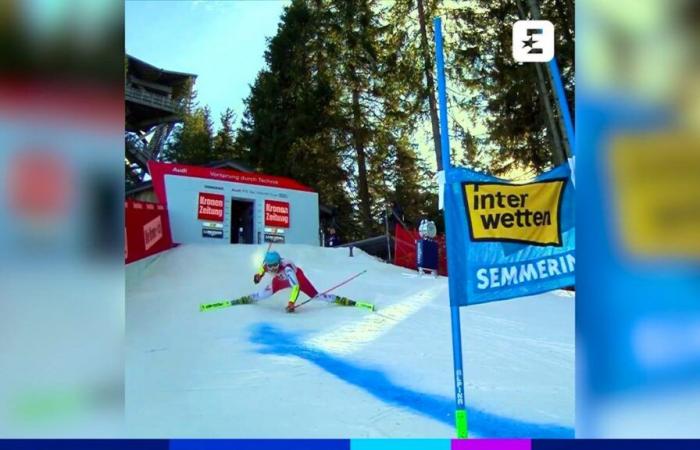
column 498, row 93
column 430, row 94
column 192, row 141
column 289, row 126
column 378, row 103
column 224, row 142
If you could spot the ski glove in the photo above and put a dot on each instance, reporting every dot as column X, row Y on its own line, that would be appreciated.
column 256, row 278
column 290, row 307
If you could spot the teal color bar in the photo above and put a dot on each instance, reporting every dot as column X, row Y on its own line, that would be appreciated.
column 400, row 444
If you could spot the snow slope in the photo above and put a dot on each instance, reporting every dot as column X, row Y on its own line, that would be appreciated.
column 326, row 371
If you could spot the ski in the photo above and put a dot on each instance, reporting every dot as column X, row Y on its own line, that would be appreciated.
column 216, row 305
column 224, row 304
column 365, row 305
column 228, row 303
column 334, row 287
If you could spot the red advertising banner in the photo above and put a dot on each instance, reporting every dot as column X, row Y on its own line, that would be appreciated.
column 210, row 207
column 40, row 184
column 276, row 214
column 147, row 230
column 152, row 232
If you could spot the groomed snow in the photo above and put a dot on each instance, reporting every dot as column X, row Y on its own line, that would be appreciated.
column 254, row 371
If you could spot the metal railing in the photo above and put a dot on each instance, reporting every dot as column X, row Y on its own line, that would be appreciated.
column 147, row 98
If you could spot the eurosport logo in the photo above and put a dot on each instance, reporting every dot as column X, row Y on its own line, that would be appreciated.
column 533, row 41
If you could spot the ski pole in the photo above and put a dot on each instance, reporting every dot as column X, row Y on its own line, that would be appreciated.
column 328, row 290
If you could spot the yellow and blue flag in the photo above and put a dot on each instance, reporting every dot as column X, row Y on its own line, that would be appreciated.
column 508, row 239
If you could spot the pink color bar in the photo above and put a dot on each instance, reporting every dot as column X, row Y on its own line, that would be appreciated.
column 491, row 444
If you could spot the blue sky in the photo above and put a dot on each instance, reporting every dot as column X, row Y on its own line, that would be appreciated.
column 221, row 42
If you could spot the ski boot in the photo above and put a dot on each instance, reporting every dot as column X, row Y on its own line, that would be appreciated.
column 245, row 300
column 344, row 301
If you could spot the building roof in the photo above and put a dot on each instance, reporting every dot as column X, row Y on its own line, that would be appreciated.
column 226, row 164
column 229, row 164
column 154, row 96
column 148, row 72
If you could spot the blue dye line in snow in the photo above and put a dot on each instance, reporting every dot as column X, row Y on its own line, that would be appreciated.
column 375, row 382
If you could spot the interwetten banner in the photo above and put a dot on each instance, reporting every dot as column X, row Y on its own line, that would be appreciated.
column 509, row 239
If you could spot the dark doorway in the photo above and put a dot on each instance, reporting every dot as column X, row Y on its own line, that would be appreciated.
column 242, row 221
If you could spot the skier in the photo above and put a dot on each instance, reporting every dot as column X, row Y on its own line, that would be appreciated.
column 287, row 275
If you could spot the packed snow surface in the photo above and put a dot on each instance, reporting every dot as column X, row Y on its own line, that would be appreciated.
column 327, row 371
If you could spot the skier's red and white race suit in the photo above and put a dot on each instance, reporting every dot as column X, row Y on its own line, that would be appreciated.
column 289, row 276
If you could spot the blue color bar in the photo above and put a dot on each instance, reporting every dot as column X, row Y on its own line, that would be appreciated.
column 260, row 444
column 83, row 444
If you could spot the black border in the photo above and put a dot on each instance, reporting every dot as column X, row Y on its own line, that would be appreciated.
column 560, row 243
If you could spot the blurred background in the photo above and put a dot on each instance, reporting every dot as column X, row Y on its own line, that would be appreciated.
column 61, row 238
column 638, row 223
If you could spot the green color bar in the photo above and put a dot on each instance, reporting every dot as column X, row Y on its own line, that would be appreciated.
column 461, row 419
column 218, row 305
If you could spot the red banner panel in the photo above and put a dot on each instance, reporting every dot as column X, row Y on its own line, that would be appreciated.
column 40, row 184
column 152, row 232
column 276, row 214
column 147, row 230
column 210, row 207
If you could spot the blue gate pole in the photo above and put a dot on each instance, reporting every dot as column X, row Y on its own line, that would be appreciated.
column 460, row 410
column 563, row 104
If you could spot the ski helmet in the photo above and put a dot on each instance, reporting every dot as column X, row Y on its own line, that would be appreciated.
column 272, row 258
